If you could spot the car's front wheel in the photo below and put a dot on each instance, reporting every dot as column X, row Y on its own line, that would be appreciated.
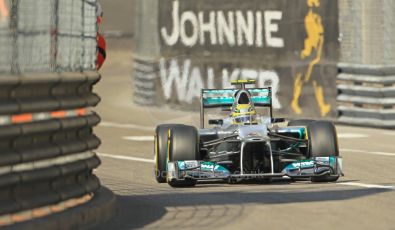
column 161, row 138
column 322, row 143
column 183, row 145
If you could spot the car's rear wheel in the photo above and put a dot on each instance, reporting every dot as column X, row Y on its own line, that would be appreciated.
column 322, row 143
column 183, row 145
column 161, row 137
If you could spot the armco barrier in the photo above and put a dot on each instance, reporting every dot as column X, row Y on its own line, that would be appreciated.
column 46, row 139
column 366, row 95
column 182, row 46
column 145, row 75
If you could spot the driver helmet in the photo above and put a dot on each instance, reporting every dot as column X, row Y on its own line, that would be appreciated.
column 244, row 111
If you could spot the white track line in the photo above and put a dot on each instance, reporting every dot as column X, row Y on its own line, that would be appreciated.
column 368, row 152
column 139, row 138
column 367, row 185
column 126, row 126
column 120, row 157
column 352, row 135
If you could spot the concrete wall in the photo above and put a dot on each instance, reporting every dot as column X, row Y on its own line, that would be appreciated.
column 292, row 46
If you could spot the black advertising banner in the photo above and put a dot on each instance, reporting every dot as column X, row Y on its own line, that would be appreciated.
column 291, row 45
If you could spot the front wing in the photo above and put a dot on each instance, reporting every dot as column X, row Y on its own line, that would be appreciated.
column 200, row 170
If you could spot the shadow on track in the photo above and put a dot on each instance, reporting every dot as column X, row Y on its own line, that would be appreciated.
column 180, row 208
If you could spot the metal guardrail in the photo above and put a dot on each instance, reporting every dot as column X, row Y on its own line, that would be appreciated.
column 51, row 91
column 145, row 75
column 46, row 139
column 366, row 95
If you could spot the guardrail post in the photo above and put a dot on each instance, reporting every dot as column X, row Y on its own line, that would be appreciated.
column 147, row 52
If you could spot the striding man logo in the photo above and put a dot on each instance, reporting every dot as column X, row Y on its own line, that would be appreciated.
column 311, row 52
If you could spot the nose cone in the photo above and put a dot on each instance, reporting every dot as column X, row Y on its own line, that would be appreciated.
column 252, row 132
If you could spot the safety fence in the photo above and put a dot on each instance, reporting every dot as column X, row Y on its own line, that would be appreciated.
column 47, row 35
column 292, row 46
column 47, row 72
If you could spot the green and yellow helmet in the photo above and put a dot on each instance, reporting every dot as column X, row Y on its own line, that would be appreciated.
column 243, row 110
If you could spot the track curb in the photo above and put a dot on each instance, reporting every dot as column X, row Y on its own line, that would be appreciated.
column 100, row 209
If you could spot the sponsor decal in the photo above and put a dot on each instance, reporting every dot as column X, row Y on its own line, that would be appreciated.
column 233, row 28
column 303, row 164
column 207, row 166
column 281, row 44
column 312, row 52
column 188, row 80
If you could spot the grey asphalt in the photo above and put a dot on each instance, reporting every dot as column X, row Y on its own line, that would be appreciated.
column 356, row 202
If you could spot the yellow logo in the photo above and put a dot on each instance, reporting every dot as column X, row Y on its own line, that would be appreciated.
column 313, row 42
column 4, row 12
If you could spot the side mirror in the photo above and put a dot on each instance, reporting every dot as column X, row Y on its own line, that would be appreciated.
column 278, row 120
column 215, row 122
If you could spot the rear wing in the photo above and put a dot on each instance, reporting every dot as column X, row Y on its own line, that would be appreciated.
column 216, row 98
column 213, row 98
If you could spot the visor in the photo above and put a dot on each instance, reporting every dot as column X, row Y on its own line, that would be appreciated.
column 244, row 119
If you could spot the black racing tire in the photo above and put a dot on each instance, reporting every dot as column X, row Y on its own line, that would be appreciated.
column 161, row 137
column 324, row 179
column 184, row 145
column 301, row 122
column 323, row 143
column 182, row 183
column 322, row 139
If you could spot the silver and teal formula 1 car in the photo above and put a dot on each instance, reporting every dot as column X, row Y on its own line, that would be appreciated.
column 245, row 145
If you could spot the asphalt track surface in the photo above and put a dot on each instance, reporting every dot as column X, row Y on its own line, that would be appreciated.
column 363, row 199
